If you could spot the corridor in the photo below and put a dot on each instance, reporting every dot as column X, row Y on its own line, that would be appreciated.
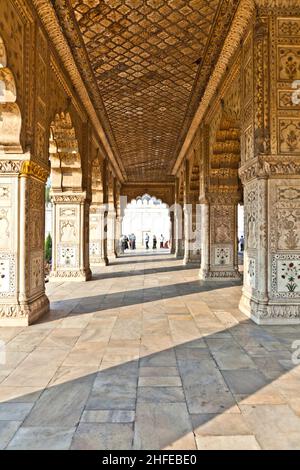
column 144, row 356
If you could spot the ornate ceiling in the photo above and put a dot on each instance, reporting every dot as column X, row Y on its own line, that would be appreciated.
column 151, row 60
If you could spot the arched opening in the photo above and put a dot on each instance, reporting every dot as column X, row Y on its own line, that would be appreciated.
column 65, row 160
column 146, row 225
column 224, row 195
column 64, row 201
column 10, row 115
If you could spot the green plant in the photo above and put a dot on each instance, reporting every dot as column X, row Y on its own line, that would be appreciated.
column 47, row 195
column 48, row 248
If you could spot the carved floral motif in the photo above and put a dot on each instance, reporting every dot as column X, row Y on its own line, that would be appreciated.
column 37, row 272
column 290, row 273
column 285, row 218
column 251, row 210
column 7, row 274
column 286, row 275
column 289, row 63
column 289, row 135
column 222, row 256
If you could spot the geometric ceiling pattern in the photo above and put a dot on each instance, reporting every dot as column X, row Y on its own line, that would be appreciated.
column 147, row 57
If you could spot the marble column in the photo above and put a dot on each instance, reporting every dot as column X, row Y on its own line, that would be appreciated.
column 22, row 219
column 98, row 241
column 205, row 259
column 271, row 291
column 187, row 215
column 179, row 234
column 173, row 235
column 111, row 232
column 270, row 170
column 70, row 259
column 219, row 238
column 118, row 234
column 192, row 224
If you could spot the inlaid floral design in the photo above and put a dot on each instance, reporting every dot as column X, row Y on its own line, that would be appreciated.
column 291, row 274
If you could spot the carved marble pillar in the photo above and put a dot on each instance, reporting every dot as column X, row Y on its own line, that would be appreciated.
column 119, row 219
column 111, row 232
column 271, row 292
column 187, row 214
column 118, row 234
column 270, row 168
column 178, row 220
column 173, row 235
column 70, row 259
column 196, row 229
column 205, row 247
column 192, row 228
column 219, row 238
column 98, row 241
column 22, row 219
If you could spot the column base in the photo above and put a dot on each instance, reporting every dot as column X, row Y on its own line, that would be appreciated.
column 23, row 313
column 269, row 313
column 207, row 275
column 192, row 261
column 76, row 275
column 99, row 262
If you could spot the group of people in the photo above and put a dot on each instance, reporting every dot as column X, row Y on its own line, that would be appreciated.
column 128, row 242
column 162, row 242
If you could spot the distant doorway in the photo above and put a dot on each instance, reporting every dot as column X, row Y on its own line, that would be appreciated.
column 147, row 218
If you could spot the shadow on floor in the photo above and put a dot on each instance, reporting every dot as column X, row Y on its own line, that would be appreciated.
column 139, row 272
column 153, row 258
column 98, row 303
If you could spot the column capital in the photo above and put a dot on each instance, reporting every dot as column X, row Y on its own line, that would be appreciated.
column 25, row 168
column 267, row 166
column 31, row 168
column 67, row 198
column 223, row 197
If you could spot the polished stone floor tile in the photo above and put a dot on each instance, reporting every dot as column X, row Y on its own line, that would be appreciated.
column 232, row 424
column 14, row 411
column 268, row 420
column 106, row 436
column 160, row 394
column 7, row 431
column 41, row 438
column 19, row 394
column 227, row 443
column 108, row 416
column 244, row 381
column 61, row 405
column 160, row 382
column 163, row 426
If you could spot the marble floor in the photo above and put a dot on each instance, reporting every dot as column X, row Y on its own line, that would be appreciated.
column 145, row 356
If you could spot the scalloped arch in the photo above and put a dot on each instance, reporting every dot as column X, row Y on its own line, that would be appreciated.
column 66, row 171
column 10, row 114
